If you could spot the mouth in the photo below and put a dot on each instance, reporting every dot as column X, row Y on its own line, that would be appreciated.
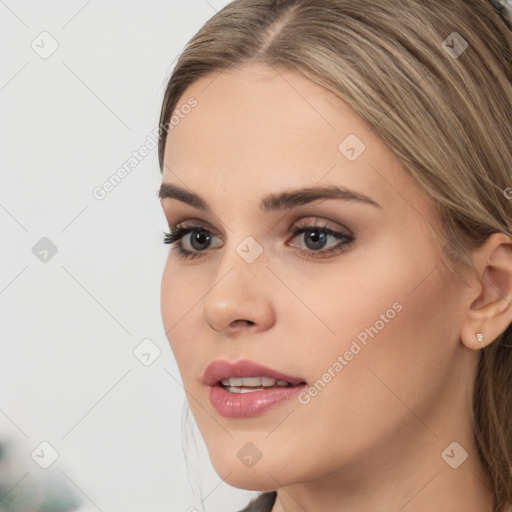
column 247, row 375
column 252, row 384
column 247, row 388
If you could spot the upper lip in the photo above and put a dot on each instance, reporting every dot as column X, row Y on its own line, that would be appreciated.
column 222, row 369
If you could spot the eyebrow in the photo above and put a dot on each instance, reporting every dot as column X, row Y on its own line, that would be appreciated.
column 273, row 202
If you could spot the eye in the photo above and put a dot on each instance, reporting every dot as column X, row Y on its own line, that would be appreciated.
column 189, row 247
column 315, row 238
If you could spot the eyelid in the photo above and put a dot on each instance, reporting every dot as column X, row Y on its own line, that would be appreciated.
column 194, row 223
column 304, row 221
column 315, row 220
column 346, row 238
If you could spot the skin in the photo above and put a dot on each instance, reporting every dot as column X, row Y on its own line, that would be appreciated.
column 372, row 438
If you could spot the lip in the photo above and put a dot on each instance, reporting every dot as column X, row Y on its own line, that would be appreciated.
column 243, row 405
column 222, row 369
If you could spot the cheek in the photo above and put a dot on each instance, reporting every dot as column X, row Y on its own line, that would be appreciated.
column 395, row 345
column 180, row 303
column 391, row 306
column 384, row 336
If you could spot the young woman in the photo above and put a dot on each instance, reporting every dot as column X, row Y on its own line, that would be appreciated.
column 337, row 179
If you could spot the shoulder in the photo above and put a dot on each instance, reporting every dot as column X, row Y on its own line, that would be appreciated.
column 263, row 503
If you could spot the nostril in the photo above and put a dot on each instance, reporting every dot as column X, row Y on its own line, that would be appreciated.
column 235, row 323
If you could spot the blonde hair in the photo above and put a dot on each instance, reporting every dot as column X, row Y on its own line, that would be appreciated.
column 447, row 116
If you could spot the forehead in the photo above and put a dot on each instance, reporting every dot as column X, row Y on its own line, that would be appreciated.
column 254, row 130
column 262, row 113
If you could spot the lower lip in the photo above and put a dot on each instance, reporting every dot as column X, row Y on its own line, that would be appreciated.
column 244, row 405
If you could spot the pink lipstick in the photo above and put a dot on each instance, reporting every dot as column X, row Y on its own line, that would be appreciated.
column 247, row 388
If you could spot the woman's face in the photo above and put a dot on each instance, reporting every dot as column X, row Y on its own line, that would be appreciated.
column 365, row 314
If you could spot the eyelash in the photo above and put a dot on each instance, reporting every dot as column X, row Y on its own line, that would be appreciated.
column 178, row 232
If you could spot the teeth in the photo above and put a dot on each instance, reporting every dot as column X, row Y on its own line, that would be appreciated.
column 242, row 390
column 255, row 382
column 248, row 381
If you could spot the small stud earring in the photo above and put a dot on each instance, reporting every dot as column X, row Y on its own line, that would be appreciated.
column 480, row 337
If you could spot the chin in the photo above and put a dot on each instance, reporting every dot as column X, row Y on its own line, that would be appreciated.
column 262, row 475
column 251, row 479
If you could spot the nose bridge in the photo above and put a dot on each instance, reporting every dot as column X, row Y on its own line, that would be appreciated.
column 242, row 264
column 237, row 291
column 241, row 249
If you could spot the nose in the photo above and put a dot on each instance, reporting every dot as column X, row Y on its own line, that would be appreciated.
column 240, row 299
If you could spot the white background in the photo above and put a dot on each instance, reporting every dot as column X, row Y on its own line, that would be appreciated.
column 70, row 324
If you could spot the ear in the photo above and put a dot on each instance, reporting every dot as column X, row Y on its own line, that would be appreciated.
column 490, row 312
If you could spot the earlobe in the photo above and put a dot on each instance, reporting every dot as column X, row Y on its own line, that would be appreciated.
column 490, row 312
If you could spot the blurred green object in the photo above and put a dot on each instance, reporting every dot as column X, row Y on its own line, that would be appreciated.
column 24, row 488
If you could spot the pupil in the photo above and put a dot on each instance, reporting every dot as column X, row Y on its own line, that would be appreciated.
column 201, row 237
column 317, row 238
